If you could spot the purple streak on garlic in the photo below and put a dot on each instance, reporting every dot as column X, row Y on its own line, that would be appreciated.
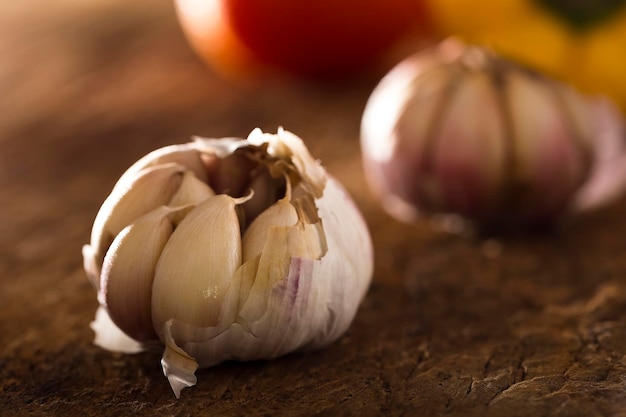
column 457, row 130
column 226, row 249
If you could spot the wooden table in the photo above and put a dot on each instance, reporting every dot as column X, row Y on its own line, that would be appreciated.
column 454, row 325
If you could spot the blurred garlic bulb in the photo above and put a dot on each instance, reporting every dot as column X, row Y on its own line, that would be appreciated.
column 457, row 130
column 226, row 249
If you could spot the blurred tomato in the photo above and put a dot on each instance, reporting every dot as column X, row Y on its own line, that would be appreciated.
column 317, row 38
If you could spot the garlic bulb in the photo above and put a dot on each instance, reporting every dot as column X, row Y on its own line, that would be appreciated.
column 457, row 130
column 226, row 249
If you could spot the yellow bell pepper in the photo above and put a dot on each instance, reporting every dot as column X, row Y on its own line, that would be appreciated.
column 583, row 43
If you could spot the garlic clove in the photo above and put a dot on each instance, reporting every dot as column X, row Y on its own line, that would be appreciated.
column 196, row 265
column 192, row 283
column 400, row 160
column 191, row 191
column 128, row 270
column 463, row 171
column 280, row 214
column 551, row 158
column 185, row 155
column 281, row 246
column 143, row 192
column 149, row 189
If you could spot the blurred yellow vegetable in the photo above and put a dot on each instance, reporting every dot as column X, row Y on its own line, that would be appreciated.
column 582, row 42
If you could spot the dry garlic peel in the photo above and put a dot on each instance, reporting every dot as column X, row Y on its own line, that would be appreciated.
column 226, row 249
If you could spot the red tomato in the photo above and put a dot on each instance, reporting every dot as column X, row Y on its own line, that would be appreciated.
column 319, row 38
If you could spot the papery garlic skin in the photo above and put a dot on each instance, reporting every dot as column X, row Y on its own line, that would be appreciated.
column 456, row 130
column 227, row 249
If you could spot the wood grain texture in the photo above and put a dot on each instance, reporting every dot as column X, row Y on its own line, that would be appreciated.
column 452, row 325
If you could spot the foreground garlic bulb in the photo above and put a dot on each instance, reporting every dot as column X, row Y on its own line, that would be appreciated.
column 226, row 249
column 457, row 130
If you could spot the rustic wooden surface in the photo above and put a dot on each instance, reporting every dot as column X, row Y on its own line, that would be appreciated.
column 452, row 325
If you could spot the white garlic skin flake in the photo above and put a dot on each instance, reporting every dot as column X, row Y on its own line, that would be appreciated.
column 455, row 129
column 225, row 249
